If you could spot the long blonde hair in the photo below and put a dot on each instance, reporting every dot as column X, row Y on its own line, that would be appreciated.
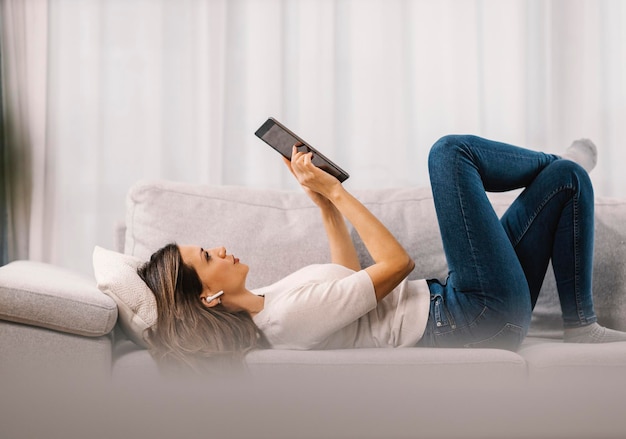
column 188, row 335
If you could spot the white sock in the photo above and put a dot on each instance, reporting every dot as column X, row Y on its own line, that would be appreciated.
column 583, row 152
column 593, row 333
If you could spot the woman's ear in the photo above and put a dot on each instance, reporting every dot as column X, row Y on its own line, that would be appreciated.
column 213, row 300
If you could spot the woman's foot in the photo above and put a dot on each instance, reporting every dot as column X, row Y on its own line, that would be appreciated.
column 593, row 333
column 583, row 152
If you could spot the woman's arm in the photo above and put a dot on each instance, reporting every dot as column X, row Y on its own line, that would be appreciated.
column 342, row 249
column 391, row 261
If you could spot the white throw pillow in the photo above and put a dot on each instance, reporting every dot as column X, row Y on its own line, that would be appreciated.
column 116, row 276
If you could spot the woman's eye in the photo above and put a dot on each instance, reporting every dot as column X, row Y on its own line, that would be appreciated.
column 207, row 256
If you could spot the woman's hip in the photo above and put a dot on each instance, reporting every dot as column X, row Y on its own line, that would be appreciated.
column 472, row 320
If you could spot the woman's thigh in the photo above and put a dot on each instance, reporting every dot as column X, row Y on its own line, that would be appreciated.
column 485, row 274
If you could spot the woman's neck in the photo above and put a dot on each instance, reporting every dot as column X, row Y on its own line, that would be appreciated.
column 244, row 301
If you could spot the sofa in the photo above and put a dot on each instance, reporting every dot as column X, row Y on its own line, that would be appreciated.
column 62, row 330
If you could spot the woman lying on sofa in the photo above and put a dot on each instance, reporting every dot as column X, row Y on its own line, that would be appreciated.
column 496, row 266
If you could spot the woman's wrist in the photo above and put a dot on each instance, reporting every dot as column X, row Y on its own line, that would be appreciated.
column 335, row 193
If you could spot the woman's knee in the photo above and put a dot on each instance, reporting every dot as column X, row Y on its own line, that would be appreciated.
column 447, row 147
column 573, row 174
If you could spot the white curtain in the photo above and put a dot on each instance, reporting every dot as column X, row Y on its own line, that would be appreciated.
column 145, row 89
column 23, row 30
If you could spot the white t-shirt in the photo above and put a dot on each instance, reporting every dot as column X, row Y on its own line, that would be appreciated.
column 329, row 306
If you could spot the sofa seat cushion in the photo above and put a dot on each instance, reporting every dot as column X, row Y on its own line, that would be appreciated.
column 560, row 361
column 133, row 364
column 47, row 296
column 414, row 365
column 402, row 367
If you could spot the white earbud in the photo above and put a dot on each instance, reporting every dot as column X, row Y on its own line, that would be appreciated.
column 208, row 299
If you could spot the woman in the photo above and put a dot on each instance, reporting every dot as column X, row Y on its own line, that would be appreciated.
column 496, row 266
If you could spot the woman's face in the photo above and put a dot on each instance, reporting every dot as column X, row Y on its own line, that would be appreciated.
column 217, row 270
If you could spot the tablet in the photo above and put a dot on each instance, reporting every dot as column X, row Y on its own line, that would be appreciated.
column 282, row 140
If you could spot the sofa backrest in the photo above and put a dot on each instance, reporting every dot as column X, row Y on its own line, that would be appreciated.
column 278, row 232
column 274, row 232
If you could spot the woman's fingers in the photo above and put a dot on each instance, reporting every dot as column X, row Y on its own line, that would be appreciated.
column 310, row 177
column 300, row 161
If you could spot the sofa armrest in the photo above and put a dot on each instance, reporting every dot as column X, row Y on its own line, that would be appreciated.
column 46, row 296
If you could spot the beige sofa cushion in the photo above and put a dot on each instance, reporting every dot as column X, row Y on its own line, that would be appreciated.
column 116, row 276
column 560, row 363
column 47, row 296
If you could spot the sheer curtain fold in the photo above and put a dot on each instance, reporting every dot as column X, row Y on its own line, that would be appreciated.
column 24, row 68
column 102, row 93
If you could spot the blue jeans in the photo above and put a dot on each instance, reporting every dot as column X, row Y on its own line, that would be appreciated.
column 497, row 265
